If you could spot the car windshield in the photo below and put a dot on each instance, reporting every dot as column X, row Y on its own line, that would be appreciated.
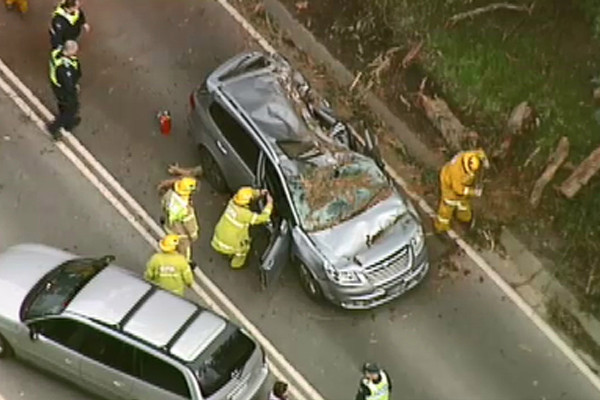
column 326, row 194
column 222, row 360
column 55, row 291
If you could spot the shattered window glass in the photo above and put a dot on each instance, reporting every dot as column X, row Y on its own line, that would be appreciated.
column 329, row 195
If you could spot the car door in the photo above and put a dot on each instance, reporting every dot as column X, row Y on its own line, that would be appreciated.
column 161, row 380
column 51, row 345
column 277, row 253
column 107, row 367
column 234, row 149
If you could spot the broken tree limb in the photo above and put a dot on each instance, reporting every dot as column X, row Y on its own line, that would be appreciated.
column 489, row 8
column 412, row 54
column 554, row 162
column 582, row 174
column 440, row 115
column 178, row 172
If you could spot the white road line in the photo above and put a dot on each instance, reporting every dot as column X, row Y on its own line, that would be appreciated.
column 99, row 168
column 272, row 353
column 540, row 323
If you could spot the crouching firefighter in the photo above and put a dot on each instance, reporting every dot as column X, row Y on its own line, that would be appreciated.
column 169, row 269
column 180, row 216
column 458, row 184
column 375, row 384
column 232, row 233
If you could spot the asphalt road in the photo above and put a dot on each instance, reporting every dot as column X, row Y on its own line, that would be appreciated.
column 448, row 339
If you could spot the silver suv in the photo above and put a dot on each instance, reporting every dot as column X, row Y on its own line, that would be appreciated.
column 114, row 334
column 355, row 239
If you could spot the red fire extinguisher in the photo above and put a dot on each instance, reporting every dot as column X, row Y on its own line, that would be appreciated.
column 164, row 120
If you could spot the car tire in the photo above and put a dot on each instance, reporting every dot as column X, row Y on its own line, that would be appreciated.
column 212, row 171
column 309, row 284
column 5, row 350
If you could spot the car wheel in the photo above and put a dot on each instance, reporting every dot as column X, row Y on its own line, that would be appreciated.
column 211, row 171
column 5, row 349
column 309, row 283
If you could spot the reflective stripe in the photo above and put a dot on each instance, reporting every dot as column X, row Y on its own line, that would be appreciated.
column 71, row 18
column 462, row 206
column 443, row 220
column 221, row 244
column 59, row 60
column 379, row 391
column 452, row 203
column 177, row 208
column 231, row 216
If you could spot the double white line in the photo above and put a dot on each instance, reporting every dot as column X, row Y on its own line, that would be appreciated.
column 143, row 223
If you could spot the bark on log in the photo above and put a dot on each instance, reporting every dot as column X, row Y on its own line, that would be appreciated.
column 582, row 174
column 440, row 115
column 482, row 10
column 554, row 162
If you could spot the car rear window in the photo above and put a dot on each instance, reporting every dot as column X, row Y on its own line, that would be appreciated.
column 55, row 291
column 222, row 359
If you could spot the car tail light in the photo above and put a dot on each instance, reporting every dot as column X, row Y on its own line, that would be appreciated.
column 192, row 101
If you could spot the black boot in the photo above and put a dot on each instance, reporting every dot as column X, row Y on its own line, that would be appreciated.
column 54, row 130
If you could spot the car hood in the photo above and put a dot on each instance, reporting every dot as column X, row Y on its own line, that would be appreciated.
column 21, row 267
column 388, row 225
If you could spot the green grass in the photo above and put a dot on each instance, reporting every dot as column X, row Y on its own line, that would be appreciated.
column 488, row 65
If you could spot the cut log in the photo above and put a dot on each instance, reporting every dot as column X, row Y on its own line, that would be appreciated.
column 489, row 8
column 554, row 162
column 440, row 115
column 522, row 119
column 582, row 174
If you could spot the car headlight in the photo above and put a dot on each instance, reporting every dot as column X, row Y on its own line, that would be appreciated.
column 418, row 240
column 344, row 277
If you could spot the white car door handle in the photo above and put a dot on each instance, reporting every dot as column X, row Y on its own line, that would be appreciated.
column 118, row 384
column 221, row 147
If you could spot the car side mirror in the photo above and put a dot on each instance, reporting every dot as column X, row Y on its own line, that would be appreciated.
column 33, row 334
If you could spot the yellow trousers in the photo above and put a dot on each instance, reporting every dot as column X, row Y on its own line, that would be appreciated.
column 446, row 210
column 22, row 5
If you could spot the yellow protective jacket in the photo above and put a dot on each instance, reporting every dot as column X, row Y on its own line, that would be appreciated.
column 456, row 182
column 180, row 215
column 170, row 271
column 232, row 234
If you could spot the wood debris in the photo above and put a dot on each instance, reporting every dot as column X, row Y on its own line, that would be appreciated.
column 178, row 172
column 523, row 118
column 381, row 63
column 301, row 6
column 486, row 9
column 582, row 174
column 440, row 115
column 412, row 54
column 554, row 162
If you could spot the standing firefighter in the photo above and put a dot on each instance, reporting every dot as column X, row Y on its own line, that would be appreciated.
column 375, row 384
column 232, row 236
column 458, row 183
column 169, row 269
column 180, row 216
column 67, row 21
column 65, row 73
column 22, row 5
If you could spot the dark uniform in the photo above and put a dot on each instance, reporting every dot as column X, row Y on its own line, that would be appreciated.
column 65, row 73
column 65, row 26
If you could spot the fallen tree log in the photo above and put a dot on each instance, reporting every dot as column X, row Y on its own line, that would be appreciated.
column 555, row 160
column 489, row 8
column 440, row 115
column 582, row 174
column 178, row 172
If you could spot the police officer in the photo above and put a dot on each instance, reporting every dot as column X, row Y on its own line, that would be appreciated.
column 169, row 269
column 375, row 385
column 65, row 73
column 67, row 21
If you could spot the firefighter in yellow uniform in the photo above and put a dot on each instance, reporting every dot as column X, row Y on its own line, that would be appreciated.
column 458, row 180
column 180, row 216
column 22, row 5
column 169, row 269
column 232, row 236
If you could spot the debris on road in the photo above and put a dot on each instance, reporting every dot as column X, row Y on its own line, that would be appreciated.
column 555, row 160
column 582, row 174
column 179, row 172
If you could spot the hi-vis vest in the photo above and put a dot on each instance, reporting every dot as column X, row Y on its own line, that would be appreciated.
column 58, row 60
column 379, row 391
column 71, row 18
column 176, row 207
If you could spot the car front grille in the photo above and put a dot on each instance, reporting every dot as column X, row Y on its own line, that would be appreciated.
column 391, row 268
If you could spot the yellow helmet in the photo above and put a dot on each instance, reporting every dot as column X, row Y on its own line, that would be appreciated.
column 243, row 196
column 169, row 243
column 473, row 163
column 185, row 186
